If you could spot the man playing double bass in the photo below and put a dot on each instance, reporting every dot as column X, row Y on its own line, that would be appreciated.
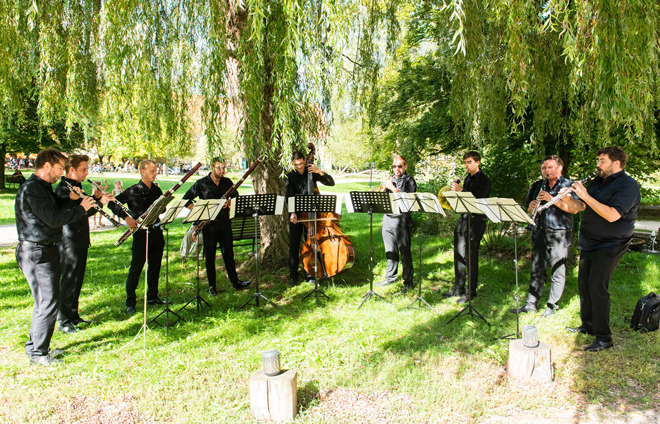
column 218, row 231
column 296, row 183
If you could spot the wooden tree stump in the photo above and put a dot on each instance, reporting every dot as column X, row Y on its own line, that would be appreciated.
column 530, row 363
column 274, row 398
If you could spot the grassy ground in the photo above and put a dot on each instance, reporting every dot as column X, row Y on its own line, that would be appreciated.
column 380, row 363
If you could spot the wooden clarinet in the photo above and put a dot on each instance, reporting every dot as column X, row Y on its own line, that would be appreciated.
column 168, row 193
column 79, row 191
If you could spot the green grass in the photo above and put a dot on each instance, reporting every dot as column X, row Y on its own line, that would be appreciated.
column 378, row 361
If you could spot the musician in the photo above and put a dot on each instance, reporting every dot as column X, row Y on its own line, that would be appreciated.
column 296, row 183
column 218, row 231
column 397, row 228
column 39, row 221
column 610, row 206
column 477, row 183
column 74, row 245
column 551, row 236
column 138, row 198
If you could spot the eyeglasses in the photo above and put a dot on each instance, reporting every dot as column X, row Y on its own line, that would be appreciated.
column 398, row 166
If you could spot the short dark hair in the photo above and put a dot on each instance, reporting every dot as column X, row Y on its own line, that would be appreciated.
column 555, row 158
column 614, row 153
column 217, row 159
column 472, row 154
column 73, row 161
column 395, row 157
column 297, row 155
column 145, row 162
column 48, row 155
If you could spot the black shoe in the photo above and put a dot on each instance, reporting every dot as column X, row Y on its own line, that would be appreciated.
column 156, row 301
column 130, row 310
column 599, row 345
column 213, row 291
column 464, row 299
column 78, row 320
column 46, row 361
column 525, row 309
column 452, row 293
column 548, row 312
column 293, row 282
column 580, row 330
column 52, row 352
column 67, row 329
column 385, row 283
column 241, row 285
column 407, row 288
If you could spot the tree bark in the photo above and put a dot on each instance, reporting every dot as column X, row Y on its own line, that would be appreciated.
column 3, row 152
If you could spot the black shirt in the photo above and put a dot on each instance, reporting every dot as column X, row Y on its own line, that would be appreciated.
column 621, row 192
column 552, row 218
column 78, row 230
column 39, row 213
column 479, row 185
column 404, row 183
column 138, row 198
column 297, row 183
column 205, row 188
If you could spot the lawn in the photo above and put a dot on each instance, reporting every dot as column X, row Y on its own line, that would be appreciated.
column 381, row 363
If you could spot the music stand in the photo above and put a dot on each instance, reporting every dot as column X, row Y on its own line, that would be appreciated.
column 425, row 203
column 313, row 204
column 256, row 205
column 154, row 211
column 465, row 203
column 169, row 217
column 203, row 210
column 510, row 211
column 369, row 202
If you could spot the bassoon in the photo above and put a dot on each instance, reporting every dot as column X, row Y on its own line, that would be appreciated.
column 168, row 193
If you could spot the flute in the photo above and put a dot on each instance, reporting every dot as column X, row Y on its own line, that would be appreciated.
column 561, row 195
column 79, row 191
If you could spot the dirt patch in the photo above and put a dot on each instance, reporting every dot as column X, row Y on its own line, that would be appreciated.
column 350, row 406
column 85, row 410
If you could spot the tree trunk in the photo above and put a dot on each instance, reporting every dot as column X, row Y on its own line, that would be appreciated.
column 3, row 152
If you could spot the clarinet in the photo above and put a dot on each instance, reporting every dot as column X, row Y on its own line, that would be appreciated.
column 543, row 187
column 81, row 193
column 198, row 228
column 121, row 205
column 561, row 195
column 168, row 193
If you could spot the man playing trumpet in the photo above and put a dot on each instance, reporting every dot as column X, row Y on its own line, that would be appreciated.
column 551, row 236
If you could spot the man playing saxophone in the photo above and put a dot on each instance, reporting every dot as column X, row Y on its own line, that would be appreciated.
column 552, row 235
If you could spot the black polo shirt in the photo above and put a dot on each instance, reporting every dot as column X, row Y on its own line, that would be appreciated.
column 205, row 189
column 479, row 185
column 39, row 213
column 552, row 218
column 78, row 230
column 621, row 192
column 137, row 198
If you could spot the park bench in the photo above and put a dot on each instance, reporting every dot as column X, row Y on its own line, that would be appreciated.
column 11, row 180
column 242, row 229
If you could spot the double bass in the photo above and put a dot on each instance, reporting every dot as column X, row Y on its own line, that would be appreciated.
column 333, row 248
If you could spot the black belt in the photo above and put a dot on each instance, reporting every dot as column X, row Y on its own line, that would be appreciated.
column 38, row 243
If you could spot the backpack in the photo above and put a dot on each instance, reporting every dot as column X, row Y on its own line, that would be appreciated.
column 647, row 314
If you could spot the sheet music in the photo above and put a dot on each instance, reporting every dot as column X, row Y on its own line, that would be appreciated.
column 173, row 211
column 462, row 202
column 489, row 207
column 205, row 210
column 514, row 212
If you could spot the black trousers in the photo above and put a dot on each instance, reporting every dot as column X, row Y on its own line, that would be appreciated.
column 217, row 234
column 594, row 275
column 397, row 234
column 296, row 232
column 549, row 248
column 73, row 259
column 41, row 267
column 139, row 257
column 477, row 228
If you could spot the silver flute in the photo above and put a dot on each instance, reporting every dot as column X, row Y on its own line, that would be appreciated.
column 561, row 195
column 79, row 191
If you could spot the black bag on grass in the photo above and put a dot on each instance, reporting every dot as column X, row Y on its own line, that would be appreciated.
column 647, row 314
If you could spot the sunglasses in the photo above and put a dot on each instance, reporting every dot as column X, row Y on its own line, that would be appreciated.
column 397, row 166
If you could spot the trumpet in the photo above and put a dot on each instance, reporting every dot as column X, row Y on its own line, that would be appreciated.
column 441, row 194
column 544, row 186
column 561, row 195
column 382, row 187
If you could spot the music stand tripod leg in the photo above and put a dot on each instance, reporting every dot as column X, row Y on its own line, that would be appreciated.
column 371, row 293
column 257, row 294
column 167, row 311
column 515, row 335
column 197, row 297
column 419, row 298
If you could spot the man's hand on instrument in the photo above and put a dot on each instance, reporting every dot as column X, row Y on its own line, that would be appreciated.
column 454, row 186
column 74, row 195
column 131, row 222
column 579, row 190
column 107, row 198
column 293, row 218
column 532, row 206
column 87, row 203
column 545, row 196
column 389, row 185
column 313, row 169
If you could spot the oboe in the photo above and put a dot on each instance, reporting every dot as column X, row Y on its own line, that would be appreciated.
column 81, row 193
column 561, row 195
column 120, row 204
column 544, row 185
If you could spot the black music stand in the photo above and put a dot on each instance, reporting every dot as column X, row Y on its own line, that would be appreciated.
column 169, row 217
column 313, row 204
column 257, row 205
column 203, row 210
column 157, row 208
column 464, row 202
column 369, row 202
column 510, row 211
column 425, row 203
